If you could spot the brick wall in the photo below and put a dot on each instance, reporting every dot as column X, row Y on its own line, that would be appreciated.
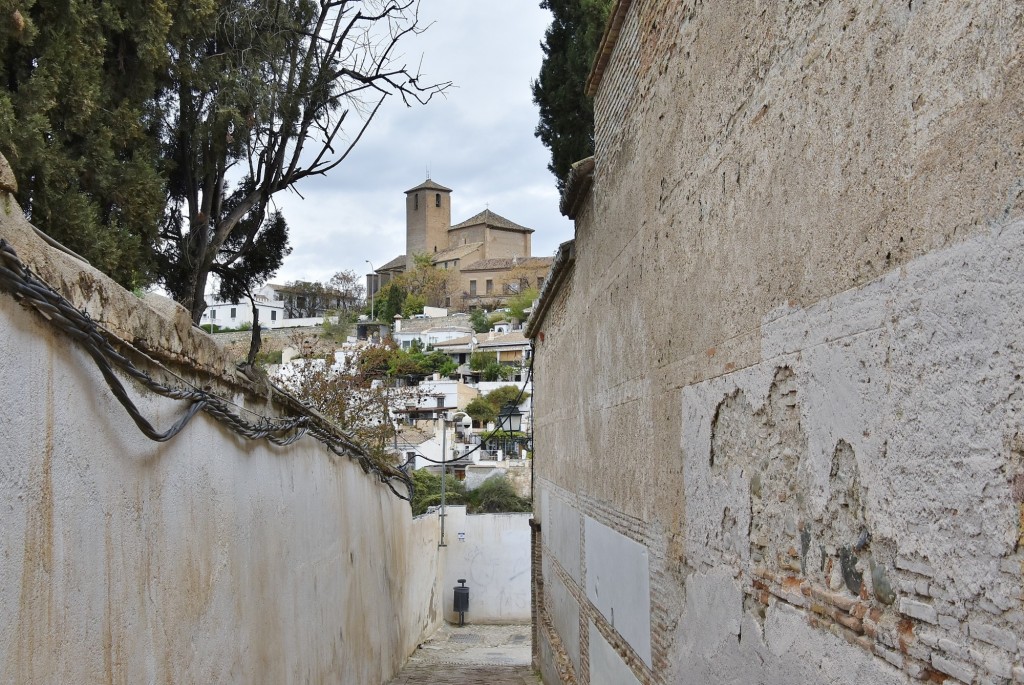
column 786, row 360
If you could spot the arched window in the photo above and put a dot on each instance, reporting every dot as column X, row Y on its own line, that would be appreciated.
column 437, row 199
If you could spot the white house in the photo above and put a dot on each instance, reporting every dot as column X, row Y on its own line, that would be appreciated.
column 430, row 331
column 235, row 315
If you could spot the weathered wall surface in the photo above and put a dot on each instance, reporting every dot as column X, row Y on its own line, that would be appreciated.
column 204, row 559
column 493, row 555
column 786, row 364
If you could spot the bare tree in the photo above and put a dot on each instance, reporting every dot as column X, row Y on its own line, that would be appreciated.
column 271, row 92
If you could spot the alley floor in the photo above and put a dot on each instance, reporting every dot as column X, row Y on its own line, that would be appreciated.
column 472, row 655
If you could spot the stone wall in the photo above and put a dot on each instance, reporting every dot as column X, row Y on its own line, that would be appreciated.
column 204, row 559
column 782, row 379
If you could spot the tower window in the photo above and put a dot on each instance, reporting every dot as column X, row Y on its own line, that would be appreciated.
column 415, row 201
column 437, row 199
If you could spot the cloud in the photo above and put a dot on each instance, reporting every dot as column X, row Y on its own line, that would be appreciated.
column 477, row 139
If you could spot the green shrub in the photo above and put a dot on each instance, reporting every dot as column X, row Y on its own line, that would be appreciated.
column 428, row 491
column 496, row 495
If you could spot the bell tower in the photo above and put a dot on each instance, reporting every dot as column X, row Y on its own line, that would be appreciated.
column 428, row 215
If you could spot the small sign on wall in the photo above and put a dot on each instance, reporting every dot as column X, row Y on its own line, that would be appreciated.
column 462, row 536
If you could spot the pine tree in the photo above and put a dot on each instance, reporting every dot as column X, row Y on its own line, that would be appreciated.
column 78, row 124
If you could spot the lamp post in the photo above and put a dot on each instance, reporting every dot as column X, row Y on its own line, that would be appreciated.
column 510, row 420
column 466, row 423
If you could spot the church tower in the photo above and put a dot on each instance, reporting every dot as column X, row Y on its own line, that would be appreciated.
column 428, row 215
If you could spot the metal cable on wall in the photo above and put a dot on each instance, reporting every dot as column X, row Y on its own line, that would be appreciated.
column 32, row 292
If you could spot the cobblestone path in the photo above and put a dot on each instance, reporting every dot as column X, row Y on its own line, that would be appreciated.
column 472, row 655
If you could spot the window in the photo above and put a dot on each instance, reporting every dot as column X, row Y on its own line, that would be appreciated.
column 437, row 199
column 273, row 315
column 540, row 282
column 490, row 286
column 213, row 313
column 416, row 201
column 472, row 287
column 234, row 312
column 440, row 402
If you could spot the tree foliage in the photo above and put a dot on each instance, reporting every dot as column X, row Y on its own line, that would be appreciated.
column 152, row 137
column 428, row 282
column 496, row 495
column 499, row 397
column 486, row 408
column 519, row 303
column 348, row 286
column 262, row 90
column 80, row 125
column 479, row 320
column 388, row 301
column 427, row 491
column 566, row 124
column 481, row 411
column 349, row 397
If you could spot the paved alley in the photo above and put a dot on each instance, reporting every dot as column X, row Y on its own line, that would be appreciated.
column 472, row 655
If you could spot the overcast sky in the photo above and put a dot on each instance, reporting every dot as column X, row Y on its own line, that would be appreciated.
column 478, row 141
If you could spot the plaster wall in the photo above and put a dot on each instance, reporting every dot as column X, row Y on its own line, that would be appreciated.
column 207, row 558
column 818, row 439
column 494, row 558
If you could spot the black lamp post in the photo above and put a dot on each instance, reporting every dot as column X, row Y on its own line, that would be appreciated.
column 510, row 419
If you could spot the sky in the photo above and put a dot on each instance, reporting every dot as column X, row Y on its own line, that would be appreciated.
column 477, row 140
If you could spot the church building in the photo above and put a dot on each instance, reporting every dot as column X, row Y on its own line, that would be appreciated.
column 490, row 255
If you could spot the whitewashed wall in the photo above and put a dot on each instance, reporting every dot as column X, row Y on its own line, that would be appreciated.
column 494, row 558
column 204, row 559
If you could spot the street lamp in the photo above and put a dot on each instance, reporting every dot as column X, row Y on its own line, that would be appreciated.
column 510, row 419
column 373, row 282
column 466, row 422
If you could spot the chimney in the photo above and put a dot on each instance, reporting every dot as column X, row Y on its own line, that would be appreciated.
column 398, row 323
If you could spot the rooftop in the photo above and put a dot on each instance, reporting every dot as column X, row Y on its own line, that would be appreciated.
column 454, row 322
column 429, row 185
column 491, row 219
column 509, row 263
column 396, row 263
column 457, row 252
column 485, row 341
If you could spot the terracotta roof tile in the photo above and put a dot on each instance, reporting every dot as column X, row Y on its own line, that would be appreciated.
column 429, row 185
column 508, row 263
column 457, row 252
column 491, row 219
column 395, row 263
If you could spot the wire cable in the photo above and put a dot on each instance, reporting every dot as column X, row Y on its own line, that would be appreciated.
column 102, row 346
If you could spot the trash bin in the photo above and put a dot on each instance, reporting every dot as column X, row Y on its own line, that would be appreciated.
column 460, row 603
